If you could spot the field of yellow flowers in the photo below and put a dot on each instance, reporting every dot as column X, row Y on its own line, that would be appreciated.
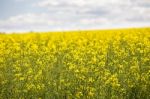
column 105, row 64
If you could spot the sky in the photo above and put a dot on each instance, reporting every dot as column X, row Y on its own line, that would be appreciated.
column 60, row 15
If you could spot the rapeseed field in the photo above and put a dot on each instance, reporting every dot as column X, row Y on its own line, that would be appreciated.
column 96, row 64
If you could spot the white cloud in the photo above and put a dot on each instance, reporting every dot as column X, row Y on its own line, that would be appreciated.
column 45, row 22
column 26, row 22
column 81, row 14
column 110, row 9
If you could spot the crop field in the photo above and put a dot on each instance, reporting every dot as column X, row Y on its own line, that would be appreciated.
column 95, row 64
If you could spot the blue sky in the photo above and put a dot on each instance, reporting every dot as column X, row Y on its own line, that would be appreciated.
column 51, row 15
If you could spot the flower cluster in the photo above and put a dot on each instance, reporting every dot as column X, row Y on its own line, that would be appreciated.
column 86, row 65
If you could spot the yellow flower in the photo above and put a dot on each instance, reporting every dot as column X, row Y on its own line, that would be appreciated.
column 91, row 79
column 34, row 47
column 91, row 93
column 79, row 94
column 22, row 78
